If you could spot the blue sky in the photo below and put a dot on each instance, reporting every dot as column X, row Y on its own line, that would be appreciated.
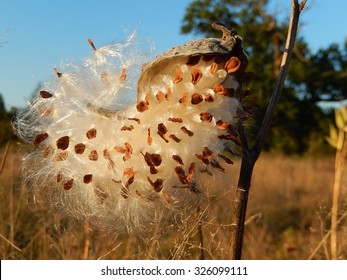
column 39, row 35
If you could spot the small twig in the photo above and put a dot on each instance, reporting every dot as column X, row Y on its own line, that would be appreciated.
column 11, row 243
column 250, row 155
column 109, row 252
column 5, row 156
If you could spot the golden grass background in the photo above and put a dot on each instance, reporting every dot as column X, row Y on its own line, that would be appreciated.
column 288, row 218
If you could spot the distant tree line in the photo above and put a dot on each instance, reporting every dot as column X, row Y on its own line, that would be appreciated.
column 6, row 131
column 300, row 123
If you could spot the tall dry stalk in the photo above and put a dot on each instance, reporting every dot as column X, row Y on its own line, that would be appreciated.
column 251, row 154
column 338, row 139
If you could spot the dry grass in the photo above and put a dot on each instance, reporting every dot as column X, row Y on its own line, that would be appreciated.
column 288, row 216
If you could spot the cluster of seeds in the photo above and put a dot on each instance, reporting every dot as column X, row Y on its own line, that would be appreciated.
column 181, row 128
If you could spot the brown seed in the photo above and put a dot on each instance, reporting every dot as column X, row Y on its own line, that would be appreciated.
column 127, row 128
column 175, row 138
column 168, row 94
column 45, row 94
column 187, row 131
column 157, row 184
column 59, row 75
column 47, row 151
column 162, row 131
column 59, row 177
column 142, row 106
column 124, row 193
column 129, row 172
column 130, row 181
column 196, row 75
column 215, row 164
column 222, row 125
column 213, row 68
column 203, row 159
column 193, row 60
column 128, row 151
column 149, row 138
column 227, row 137
column 123, row 76
column 100, row 193
column 160, row 96
column 39, row 138
column 232, row 65
column 184, row 99
column 219, row 89
column 206, row 117
column 91, row 133
column 63, row 143
column 93, row 155
column 178, row 120
column 178, row 76
column 207, row 153
column 87, row 178
column 196, row 98
column 209, row 98
column 62, row 156
column 181, row 175
column 135, row 119
column 156, row 159
column 226, row 159
column 68, row 184
column 166, row 196
column 79, row 148
column 178, row 159
column 191, row 171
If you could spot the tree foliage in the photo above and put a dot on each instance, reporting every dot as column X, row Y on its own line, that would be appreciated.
column 299, row 124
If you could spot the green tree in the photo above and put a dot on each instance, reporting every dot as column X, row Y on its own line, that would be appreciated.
column 299, row 123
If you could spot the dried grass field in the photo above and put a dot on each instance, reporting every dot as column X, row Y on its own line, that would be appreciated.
column 288, row 218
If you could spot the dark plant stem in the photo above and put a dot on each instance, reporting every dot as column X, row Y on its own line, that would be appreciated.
column 250, row 155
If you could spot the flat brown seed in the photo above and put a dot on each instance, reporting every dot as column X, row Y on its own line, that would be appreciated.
column 175, row 138
column 45, row 94
column 68, row 184
column 123, row 76
column 187, row 131
column 160, row 96
column 135, row 119
column 196, row 75
column 178, row 120
column 39, row 138
column 178, row 76
column 127, row 128
column 59, row 177
column 129, row 172
column 87, row 178
column 209, row 98
column 91, row 133
column 222, row 125
column 181, row 175
column 100, row 193
column 219, row 89
column 93, row 155
column 232, row 65
column 79, row 148
column 178, row 159
column 213, row 68
column 157, row 184
column 191, row 171
column 196, row 98
column 206, row 117
column 207, row 153
column 226, row 159
column 142, row 106
column 168, row 94
column 62, row 156
column 130, row 181
column 63, row 143
column 215, row 164
column 149, row 138
column 184, row 99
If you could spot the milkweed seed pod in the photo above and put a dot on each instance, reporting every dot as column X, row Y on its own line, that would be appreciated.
column 119, row 165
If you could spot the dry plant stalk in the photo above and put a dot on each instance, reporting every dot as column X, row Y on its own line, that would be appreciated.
column 251, row 154
column 337, row 139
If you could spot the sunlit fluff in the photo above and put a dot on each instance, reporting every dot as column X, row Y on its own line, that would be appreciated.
column 117, row 157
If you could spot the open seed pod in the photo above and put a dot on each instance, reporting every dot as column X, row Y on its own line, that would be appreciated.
column 170, row 148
